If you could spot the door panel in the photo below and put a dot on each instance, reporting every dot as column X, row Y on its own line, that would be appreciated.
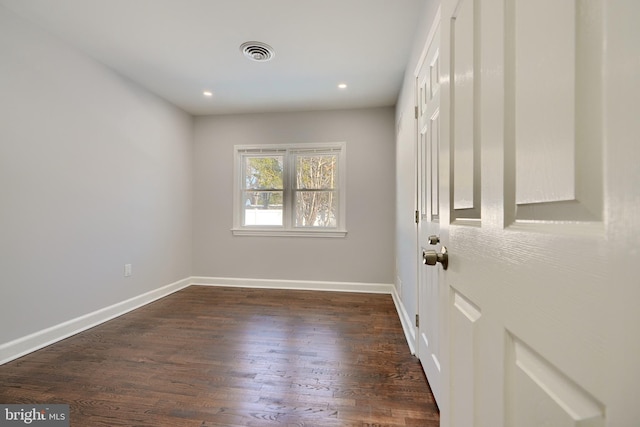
column 553, row 113
column 463, row 131
column 544, row 92
column 464, row 321
column 433, row 171
column 541, row 290
column 539, row 394
column 465, row 155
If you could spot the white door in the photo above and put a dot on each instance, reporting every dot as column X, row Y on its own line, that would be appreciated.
column 429, row 288
column 540, row 212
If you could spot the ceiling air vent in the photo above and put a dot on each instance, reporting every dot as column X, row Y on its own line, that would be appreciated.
column 257, row 51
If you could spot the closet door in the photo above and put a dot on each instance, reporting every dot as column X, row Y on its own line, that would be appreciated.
column 431, row 290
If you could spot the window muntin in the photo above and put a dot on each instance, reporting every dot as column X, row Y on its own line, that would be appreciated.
column 290, row 190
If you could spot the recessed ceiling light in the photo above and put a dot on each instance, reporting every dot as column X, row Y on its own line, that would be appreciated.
column 207, row 93
column 342, row 86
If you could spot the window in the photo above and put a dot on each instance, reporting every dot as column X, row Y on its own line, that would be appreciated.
column 290, row 190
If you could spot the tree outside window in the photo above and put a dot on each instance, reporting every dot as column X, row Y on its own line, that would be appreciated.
column 316, row 179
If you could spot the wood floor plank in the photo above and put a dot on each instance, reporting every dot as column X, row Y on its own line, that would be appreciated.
column 215, row 356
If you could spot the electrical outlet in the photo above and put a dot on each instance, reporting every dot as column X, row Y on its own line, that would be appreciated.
column 127, row 270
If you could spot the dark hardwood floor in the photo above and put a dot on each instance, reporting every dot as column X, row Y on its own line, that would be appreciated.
column 209, row 356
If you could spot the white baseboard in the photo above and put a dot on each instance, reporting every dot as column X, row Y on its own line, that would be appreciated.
column 407, row 324
column 311, row 285
column 19, row 347
column 29, row 343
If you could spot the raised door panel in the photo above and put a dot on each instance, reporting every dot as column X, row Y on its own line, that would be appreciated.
column 433, row 170
column 553, row 108
column 465, row 154
column 545, row 100
column 538, row 394
column 464, row 319
column 463, row 105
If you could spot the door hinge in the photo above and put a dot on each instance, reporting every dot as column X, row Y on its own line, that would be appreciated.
column 417, row 320
column 417, row 215
column 416, row 111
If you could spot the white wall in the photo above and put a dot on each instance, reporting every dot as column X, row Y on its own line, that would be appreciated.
column 94, row 173
column 365, row 255
column 405, row 227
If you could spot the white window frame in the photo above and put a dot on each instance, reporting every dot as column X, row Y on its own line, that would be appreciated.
column 288, row 228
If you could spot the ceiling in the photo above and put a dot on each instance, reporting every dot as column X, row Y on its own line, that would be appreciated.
column 179, row 48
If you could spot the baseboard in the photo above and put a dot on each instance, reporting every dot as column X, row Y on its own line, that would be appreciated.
column 405, row 320
column 311, row 285
column 27, row 344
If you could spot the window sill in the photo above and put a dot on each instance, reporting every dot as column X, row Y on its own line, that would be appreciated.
column 287, row 233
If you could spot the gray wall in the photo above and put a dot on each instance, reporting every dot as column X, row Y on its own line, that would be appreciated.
column 365, row 255
column 94, row 173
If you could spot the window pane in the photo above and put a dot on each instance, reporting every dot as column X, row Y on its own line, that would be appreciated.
column 316, row 208
column 318, row 172
column 262, row 207
column 263, row 173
